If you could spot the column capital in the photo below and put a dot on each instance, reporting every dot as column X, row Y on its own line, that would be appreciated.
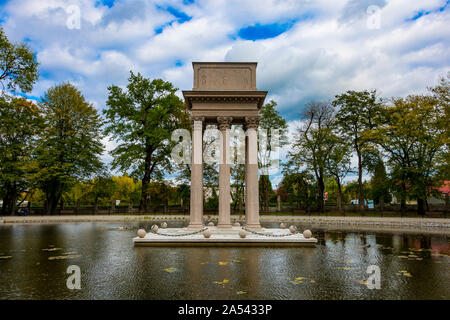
column 224, row 122
column 193, row 119
column 251, row 122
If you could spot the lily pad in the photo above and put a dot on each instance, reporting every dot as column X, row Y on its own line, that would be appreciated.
column 64, row 257
column 222, row 282
column 363, row 282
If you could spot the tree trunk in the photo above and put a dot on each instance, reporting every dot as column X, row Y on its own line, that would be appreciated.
column 339, row 195
column 446, row 205
column 130, row 206
column 53, row 200
column 403, row 206
column 403, row 199
column 96, row 205
column 143, row 205
column 420, row 207
column 321, row 189
column 241, row 204
column 360, row 184
column 381, row 204
column 9, row 202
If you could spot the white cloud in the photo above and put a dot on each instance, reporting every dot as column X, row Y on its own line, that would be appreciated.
column 329, row 50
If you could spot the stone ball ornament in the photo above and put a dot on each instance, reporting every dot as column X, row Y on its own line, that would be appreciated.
column 155, row 228
column 293, row 229
column 141, row 233
column 307, row 234
column 237, row 224
column 207, row 233
column 242, row 233
column 164, row 225
column 282, row 225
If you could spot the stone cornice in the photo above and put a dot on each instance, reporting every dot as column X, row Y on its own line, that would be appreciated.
column 225, row 97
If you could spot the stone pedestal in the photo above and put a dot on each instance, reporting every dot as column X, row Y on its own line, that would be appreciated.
column 225, row 93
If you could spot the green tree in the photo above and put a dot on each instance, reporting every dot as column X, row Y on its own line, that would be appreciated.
column 441, row 94
column 412, row 136
column 160, row 193
column 380, row 185
column 141, row 119
column 183, row 194
column 265, row 192
column 126, row 189
column 102, row 187
column 18, row 65
column 20, row 123
column 237, row 149
column 351, row 190
column 300, row 188
column 273, row 125
column 70, row 144
column 338, row 164
column 238, row 184
column 356, row 115
column 312, row 145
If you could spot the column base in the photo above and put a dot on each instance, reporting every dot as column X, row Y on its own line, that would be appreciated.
column 195, row 226
column 253, row 226
column 224, row 226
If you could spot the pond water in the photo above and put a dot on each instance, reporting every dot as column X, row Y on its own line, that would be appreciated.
column 413, row 266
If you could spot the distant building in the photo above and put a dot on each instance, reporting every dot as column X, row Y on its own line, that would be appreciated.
column 444, row 190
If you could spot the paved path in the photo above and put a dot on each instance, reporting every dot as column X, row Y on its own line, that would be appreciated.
column 347, row 221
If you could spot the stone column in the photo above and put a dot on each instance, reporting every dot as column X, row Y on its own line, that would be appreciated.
column 224, row 172
column 196, row 213
column 251, row 173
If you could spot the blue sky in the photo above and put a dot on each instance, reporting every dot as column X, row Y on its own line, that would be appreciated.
column 306, row 50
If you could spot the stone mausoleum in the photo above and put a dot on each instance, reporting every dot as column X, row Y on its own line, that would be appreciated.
column 224, row 94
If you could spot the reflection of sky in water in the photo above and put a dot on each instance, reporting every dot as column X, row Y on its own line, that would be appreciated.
column 112, row 268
